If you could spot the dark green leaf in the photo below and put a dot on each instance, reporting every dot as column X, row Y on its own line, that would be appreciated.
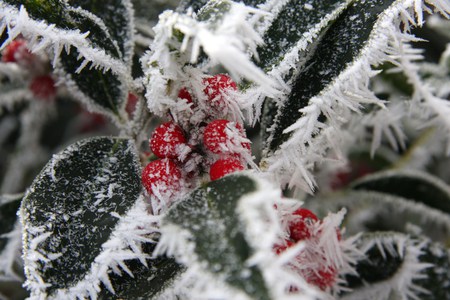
column 57, row 12
column 437, row 279
column 101, row 90
column 374, row 211
column 147, row 282
column 222, row 247
column 9, row 205
column 289, row 27
column 116, row 16
column 417, row 186
column 336, row 50
column 388, row 253
column 375, row 267
column 72, row 200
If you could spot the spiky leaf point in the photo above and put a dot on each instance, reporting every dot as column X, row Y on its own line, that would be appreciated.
column 147, row 282
column 365, row 34
column 397, row 265
column 84, row 213
column 93, row 42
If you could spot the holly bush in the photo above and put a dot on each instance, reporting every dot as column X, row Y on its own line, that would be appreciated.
column 215, row 149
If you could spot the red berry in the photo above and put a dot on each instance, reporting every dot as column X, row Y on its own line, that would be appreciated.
column 184, row 94
column 216, row 139
column 163, row 176
column 224, row 166
column 216, row 87
column 43, row 87
column 323, row 278
column 166, row 139
column 300, row 228
column 281, row 248
column 17, row 51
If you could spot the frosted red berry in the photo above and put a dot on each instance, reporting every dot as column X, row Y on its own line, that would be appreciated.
column 281, row 248
column 163, row 176
column 300, row 227
column 217, row 140
column 224, row 166
column 216, row 87
column 185, row 95
column 167, row 139
column 43, row 87
column 323, row 278
column 16, row 51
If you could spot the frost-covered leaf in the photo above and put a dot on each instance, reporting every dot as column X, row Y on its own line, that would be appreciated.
column 437, row 277
column 400, row 267
column 84, row 39
column 417, row 186
column 209, row 216
column 71, row 209
column 286, row 45
column 333, row 84
column 117, row 17
column 295, row 25
column 336, row 51
column 147, row 282
column 374, row 211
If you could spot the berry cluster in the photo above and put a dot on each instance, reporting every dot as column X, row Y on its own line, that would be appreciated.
column 41, row 83
column 304, row 226
column 194, row 146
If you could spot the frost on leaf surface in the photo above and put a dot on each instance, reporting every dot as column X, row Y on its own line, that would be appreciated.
column 72, row 207
column 395, row 264
column 338, row 48
column 292, row 30
column 295, row 25
column 333, row 84
column 84, row 39
column 148, row 281
column 209, row 216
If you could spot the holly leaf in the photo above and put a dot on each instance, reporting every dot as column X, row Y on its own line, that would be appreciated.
column 221, row 249
column 73, row 214
column 310, row 18
column 396, row 265
column 338, row 48
column 414, row 185
column 375, row 211
column 146, row 282
column 90, row 43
